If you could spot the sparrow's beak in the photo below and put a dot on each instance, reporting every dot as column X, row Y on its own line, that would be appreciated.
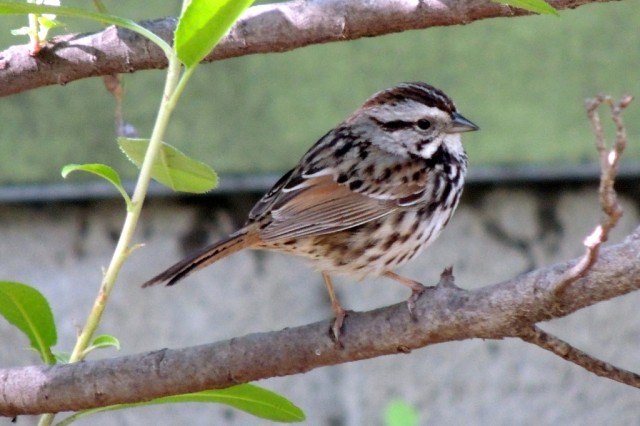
column 460, row 124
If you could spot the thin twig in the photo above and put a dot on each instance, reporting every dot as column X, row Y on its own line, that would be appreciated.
column 564, row 350
column 609, row 160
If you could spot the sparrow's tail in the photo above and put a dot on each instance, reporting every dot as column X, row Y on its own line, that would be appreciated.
column 204, row 257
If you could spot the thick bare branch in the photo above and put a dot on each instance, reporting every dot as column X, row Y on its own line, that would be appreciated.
column 443, row 313
column 262, row 29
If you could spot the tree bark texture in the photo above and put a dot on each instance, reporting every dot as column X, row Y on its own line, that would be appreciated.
column 269, row 28
column 444, row 313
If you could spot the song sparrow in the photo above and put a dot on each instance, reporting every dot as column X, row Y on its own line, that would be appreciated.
column 366, row 198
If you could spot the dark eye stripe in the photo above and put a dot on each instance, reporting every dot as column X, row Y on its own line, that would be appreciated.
column 392, row 126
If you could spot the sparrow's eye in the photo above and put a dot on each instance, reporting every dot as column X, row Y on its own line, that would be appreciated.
column 423, row 124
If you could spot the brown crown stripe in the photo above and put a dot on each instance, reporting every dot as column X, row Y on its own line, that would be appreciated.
column 419, row 92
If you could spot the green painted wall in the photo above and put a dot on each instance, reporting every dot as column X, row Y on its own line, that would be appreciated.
column 522, row 80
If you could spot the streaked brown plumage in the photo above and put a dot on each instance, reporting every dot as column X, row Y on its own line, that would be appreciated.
column 366, row 198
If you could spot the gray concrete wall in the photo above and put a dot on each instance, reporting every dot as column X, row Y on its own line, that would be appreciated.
column 497, row 233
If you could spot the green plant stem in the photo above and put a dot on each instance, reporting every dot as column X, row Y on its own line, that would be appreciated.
column 34, row 31
column 174, row 87
column 122, row 249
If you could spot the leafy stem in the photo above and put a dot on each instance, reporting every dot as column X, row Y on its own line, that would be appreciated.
column 121, row 252
column 201, row 26
column 174, row 85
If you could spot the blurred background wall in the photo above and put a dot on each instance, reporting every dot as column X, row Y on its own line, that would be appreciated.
column 530, row 202
column 498, row 232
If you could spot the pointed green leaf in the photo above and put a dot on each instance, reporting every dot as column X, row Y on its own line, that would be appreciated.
column 202, row 24
column 249, row 398
column 537, row 6
column 49, row 23
column 252, row 399
column 46, row 25
column 106, row 340
column 171, row 167
column 399, row 413
column 62, row 357
column 103, row 171
column 26, row 308
column 103, row 341
column 17, row 8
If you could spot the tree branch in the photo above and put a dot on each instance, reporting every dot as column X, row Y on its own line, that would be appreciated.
column 564, row 350
column 612, row 212
column 262, row 29
column 609, row 160
column 444, row 313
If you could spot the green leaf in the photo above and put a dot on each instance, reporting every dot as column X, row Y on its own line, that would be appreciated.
column 49, row 23
column 103, row 341
column 26, row 308
column 202, row 24
column 399, row 413
column 16, row 8
column 103, row 171
column 249, row 398
column 171, row 167
column 46, row 25
column 537, row 6
column 62, row 357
